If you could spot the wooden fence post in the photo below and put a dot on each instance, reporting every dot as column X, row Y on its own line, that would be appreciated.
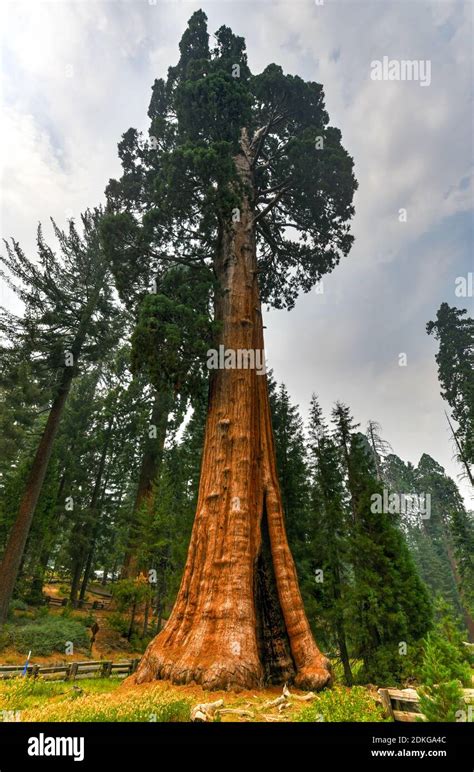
column 386, row 703
column 71, row 672
column 106, row 669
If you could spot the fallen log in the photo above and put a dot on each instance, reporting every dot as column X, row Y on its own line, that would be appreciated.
column 205, row 710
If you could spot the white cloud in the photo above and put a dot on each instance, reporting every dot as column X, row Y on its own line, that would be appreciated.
column 411, row 145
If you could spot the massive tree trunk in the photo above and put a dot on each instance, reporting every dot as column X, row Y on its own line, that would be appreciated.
column 14, row 550
column 239, row 620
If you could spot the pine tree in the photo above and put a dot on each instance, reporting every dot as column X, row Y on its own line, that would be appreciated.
column 462, row 534
column 455, row 358
column 391, row 604
column 68, row 318
column 445, row 670
column 448, row 524
column 292, row 470
column 329, row 533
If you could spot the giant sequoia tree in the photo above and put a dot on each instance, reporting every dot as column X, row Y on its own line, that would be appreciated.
column 244, row 175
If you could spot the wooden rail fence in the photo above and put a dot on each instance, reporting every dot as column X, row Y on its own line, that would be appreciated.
column 51, row 600
column 74, row 670
column 402, row 704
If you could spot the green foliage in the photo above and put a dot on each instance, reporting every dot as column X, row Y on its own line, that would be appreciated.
column 292, row 467
column 462, row 534
column 329, row 541
column 18, row 605
column 441, row 697
column 455, row 332
column 445, row 670
column 179, row 188
column 448, row 531
column 46, row 635
column 389, row 603
column 118, row 622
column 174, row 332
column 127, row 592
column 342, row 704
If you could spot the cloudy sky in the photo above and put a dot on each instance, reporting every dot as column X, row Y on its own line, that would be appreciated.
column 76, row 75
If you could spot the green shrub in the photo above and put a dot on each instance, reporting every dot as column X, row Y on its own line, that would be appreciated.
column 18, row 605
column 445, row 670
column 388, row 667
column 443, row 676
column 47, row 635
column 343, row 704
column 118, row 622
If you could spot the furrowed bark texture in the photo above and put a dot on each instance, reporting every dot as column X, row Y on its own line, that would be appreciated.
column 238, row 621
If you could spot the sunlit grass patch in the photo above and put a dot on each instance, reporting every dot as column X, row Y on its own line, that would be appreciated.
column 21, row 693
column 343, row 704
column 91, row 700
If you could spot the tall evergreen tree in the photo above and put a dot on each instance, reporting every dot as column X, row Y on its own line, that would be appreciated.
column 449, row 529
column 391, row 603
column 455, row 332
column 292, row 469
column 250, row 181
column 330, row 533
column 68, row 318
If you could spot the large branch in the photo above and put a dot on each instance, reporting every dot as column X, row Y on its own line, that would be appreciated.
column 192, row 262
column 271, row 205
column 261, row 134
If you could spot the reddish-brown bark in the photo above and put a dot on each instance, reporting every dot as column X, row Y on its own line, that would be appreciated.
column 239, row 619
column 14, row 549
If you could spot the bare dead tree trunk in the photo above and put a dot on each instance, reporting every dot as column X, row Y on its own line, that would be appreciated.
column 239, row 619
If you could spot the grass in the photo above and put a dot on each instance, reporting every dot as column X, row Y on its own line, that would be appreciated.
column 24, row 693
column 343, row 704
column 26, row 699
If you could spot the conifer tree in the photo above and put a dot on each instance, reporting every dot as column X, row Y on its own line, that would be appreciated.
column 455, row 332
column 68, row 319
column 391, row 604
column 330, row 532
column 445, row 670
column 244, row 177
